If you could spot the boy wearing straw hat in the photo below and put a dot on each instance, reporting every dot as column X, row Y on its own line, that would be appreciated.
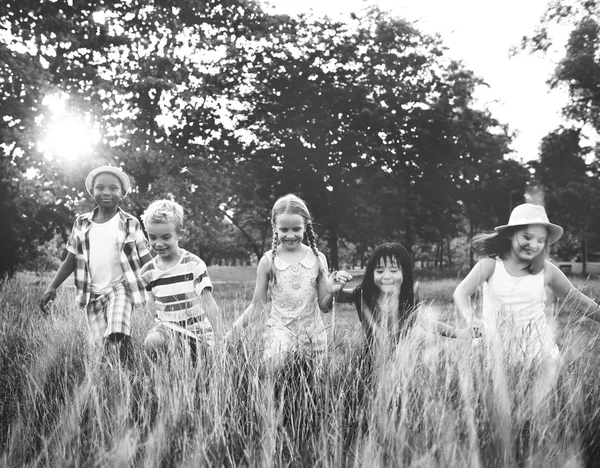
column 106, row 251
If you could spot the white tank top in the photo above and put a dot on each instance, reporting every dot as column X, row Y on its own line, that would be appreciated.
column 517, row 299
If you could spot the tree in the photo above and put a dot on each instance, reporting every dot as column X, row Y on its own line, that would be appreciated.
column 570, row 185
column 145, row 72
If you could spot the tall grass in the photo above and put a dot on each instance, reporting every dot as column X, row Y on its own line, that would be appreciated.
column 431, row 402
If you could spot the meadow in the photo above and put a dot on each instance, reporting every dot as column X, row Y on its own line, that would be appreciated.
column 433, row 402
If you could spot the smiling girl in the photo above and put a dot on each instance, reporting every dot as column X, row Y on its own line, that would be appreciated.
column 515, row 273
column 295, row 278
column 386, row 302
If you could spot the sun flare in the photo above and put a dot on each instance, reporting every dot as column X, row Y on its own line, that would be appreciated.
column 70, row 137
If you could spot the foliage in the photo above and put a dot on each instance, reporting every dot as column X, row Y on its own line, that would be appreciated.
column 567, row 170
column 225, row 107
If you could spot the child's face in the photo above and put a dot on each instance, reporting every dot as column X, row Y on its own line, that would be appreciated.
column 529, row 242
column 164, row 239
column 107, row 190
column 388, row 275
column 290, row 230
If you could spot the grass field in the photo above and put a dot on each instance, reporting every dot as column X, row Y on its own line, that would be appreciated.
column 434, row 402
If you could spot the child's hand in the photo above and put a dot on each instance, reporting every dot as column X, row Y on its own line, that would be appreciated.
column 47, row 300
column 464, row 333
column 476, row 326
column 337, row 280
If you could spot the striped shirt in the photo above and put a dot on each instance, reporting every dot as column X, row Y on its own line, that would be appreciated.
column 176, row 291
column 131, row 245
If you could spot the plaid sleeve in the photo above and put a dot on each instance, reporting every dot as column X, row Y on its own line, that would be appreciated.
column 74, row 240
column 141, row 241
column 146, row 279
column 201, row 278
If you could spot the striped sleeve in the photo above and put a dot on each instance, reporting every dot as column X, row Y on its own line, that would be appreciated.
column 146, row 279
column 200, row 274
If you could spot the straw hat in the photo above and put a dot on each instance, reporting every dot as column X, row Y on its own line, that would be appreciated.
column 89, row 180
column 528, row 213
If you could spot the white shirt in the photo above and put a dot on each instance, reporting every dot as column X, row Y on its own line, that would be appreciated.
column 105, row 263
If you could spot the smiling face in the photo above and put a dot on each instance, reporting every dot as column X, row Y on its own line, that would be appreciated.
column 529, row 242
column 107, row 190
column 164, row 239
column 388, row 276
column 290, row 230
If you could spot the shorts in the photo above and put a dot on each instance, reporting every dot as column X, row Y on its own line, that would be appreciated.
column 281, row 340
column 110, row 313
column 175, row 332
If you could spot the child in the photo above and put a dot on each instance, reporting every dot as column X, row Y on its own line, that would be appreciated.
column 178, row 283
column 385, row 300
column 106, row 250
column 514, row 275
column 299, row 285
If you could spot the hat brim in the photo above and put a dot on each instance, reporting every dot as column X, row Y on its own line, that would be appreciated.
column 555, row 232
column 89, row 180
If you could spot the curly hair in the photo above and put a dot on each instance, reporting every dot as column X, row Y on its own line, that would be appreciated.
column 164, row 212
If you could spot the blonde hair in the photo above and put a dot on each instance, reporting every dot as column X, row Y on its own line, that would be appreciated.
column 164, row 212
column 292, row 204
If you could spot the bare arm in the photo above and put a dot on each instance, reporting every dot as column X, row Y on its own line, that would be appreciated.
column 212, row 311
column 329, row 286
column 563, row 289
column 444, row 329
column 480, row 273
column 64, row 271
column 432, row 325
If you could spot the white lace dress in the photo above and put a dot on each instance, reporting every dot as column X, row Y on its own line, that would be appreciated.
column 295, row 322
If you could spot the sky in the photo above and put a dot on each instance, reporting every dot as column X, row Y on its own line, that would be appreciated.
column 481, row 34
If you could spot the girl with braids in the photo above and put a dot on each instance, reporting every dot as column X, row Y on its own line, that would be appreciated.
column 296, row 278
column 386, row 302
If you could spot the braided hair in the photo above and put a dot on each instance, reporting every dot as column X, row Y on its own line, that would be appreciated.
column 292, row 204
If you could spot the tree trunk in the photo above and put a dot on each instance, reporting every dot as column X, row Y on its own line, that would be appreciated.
column 584, row 249
column 410, row 236
column 448, row 252
column 333, row 248
column 248, row 237
column 471, row 254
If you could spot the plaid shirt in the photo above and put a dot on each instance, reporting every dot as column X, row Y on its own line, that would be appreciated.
column 132, row 246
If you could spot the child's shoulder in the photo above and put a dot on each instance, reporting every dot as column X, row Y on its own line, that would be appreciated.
column 86, row 216
column 127, row 216
column 490, row 261
column 189, row 257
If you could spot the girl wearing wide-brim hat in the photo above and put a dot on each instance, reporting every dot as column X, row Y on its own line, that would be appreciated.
column 514, row 273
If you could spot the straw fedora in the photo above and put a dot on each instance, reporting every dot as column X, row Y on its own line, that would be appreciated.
column 89, row 180
column 528, row 213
